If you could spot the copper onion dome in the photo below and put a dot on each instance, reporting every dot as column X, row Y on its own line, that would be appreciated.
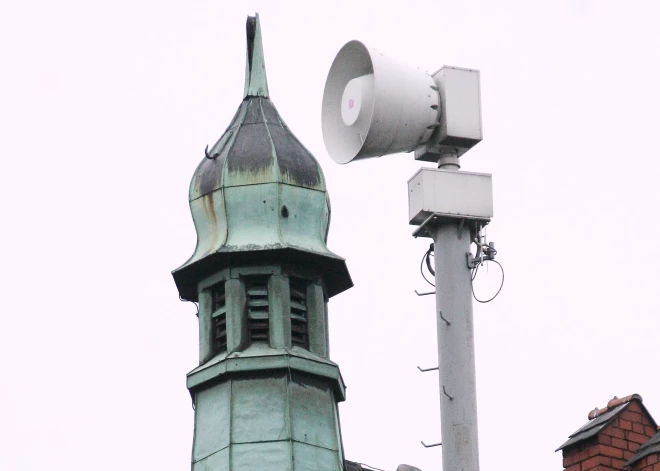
column 259, row 196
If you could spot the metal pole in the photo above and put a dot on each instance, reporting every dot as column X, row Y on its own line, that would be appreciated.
column 458, row 392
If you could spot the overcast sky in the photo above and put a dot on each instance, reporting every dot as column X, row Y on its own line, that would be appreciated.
column 105, row 110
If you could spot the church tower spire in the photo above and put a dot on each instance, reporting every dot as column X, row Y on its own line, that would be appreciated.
column 265, row 390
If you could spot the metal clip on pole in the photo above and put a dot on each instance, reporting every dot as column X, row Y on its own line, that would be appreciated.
column 431, row 445
column 424, row 370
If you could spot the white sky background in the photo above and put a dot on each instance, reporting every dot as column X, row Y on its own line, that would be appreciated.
column 105, row 109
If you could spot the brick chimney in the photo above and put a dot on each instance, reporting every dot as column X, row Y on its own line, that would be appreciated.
column 622, row 436
column 647, row 456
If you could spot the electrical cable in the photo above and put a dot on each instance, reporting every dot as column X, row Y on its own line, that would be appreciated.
column 476, row 269
column 421, row 265
column 371, row 467
column 428, row 259
column 474, row 275
column 186, row 301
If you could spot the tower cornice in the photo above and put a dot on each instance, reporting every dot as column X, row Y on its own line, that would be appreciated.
column 256, row 359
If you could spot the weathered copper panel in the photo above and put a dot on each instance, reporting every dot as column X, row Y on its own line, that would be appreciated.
column 259, row 409
column 312, row 412
column 212, row 416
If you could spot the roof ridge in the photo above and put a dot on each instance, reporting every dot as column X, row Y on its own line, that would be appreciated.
column 614, row 403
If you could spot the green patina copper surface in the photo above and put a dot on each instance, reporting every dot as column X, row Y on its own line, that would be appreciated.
column 259, row 190
column 268, row 422
column 267, row 405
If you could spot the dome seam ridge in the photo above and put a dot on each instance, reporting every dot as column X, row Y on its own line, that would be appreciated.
column 220, row 188
column 278, row 177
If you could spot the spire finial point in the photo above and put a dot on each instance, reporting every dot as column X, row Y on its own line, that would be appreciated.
column 255, row 67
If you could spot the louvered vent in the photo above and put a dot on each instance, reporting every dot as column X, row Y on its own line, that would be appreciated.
column 219, row 317
column 257, row 304
column 298, row 289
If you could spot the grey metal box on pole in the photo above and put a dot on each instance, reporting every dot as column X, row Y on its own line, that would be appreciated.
column 451, row 194
column 459, row 122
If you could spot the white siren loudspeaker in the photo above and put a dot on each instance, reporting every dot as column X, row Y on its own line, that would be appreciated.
column 373, row 105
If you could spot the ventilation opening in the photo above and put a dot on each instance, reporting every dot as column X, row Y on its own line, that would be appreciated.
column 257, row 304
column 219, row 319
column 298, row 290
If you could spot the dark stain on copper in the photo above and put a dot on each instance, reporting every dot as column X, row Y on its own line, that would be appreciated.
column 209, row 174
column 209, row 209
column 296, row 164
column 251, row 150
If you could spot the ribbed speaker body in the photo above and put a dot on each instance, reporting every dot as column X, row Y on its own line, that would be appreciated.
column 373, row 105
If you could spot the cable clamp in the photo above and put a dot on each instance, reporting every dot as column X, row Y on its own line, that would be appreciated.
column 485, row 252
